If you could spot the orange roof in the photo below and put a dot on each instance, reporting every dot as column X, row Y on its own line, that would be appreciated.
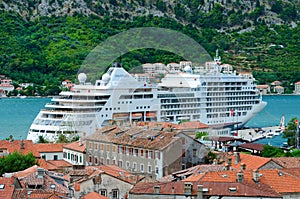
column 280, row 180
column 8, row 188
column 16, row 145
column 53, row 164
column 94, row 195
column 76, row 146
column 192, row 125
column 49, row 147
column 251, row 161
column 288, row 162
column 297, row 82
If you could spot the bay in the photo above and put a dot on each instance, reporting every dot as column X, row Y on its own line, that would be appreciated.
column 16, row 115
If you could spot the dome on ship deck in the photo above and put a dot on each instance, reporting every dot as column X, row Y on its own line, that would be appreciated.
column 82, row 78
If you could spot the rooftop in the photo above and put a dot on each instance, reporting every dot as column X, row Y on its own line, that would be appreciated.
column 23, row 146
column 49, row 147
column 76, row 146
column 135, row 136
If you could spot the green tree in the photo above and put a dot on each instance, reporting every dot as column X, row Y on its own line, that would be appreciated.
column 270, row 151
column 16, row 162
column 42, row 140
column 62, row 139
column 290, row 132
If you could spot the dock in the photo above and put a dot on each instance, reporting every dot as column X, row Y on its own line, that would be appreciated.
column 253, row 134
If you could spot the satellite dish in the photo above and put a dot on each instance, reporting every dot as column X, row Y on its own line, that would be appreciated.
column 82, row 78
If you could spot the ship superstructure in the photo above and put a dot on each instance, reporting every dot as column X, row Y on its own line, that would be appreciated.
column 213, row 94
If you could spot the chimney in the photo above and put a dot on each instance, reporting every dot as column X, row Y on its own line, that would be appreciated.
column 237, row 158
column 239, row 176
column 243, row 166
column 157, row 189
column 40, row 172
column 226, row 167
column 22, row 144
column 255, row 175
column 188, row 187
column 215, row 161
column 199, row 191
column 80, row 142
column 229, row 162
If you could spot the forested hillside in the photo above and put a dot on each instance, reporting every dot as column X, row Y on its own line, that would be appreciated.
column 46, row 41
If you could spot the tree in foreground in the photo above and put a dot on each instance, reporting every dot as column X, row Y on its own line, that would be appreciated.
column 16, row 162
column 290, row 132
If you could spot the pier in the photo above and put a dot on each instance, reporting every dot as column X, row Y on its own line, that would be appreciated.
column 253, row 134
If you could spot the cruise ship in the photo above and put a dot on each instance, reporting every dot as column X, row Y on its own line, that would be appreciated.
column 213, row 94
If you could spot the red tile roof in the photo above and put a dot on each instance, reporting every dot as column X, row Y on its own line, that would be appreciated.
column 135, row 136
column 251, row 161
column 252, row 146
column 94, row 195
column 49, row 147
column 288, row 162
column 52, row 165
column 213, row 189
column 76, row 146
column 15, row 145
column 8, row 188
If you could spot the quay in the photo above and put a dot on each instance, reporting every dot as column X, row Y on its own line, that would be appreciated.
column 253, row 134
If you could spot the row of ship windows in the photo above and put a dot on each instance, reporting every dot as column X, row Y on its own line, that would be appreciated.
column 94, row 160
column 180, row 106
column 163, row 113
column 216, row 115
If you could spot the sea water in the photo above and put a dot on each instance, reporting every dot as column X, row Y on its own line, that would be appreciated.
column 16, row 115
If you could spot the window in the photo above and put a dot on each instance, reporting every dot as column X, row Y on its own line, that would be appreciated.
column 107, row 147
column 90, row 159
column 80, row 159
column 113, row 148
column 44, row 157
column 142, row 168
column 156, row 170
column 65, row 155
column 107, row 161
column 69, row 156
column 96, row 160
column 103, row 192
column 157, row 155
column 55, row 157
column 194, row 152
column 134, row 166
column 115, row 193
column 120, row 163
column 127, row 165
column 149, row 168
column 135, row 152
column 142, row 152
column 96, row 146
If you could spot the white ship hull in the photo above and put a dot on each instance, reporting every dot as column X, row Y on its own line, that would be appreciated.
column 209, row 97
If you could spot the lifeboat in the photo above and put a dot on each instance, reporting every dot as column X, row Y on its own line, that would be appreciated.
column 136, row 115
column 149, row 115
column 120, row 115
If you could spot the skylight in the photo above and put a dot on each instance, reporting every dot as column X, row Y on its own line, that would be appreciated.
column 2, row 186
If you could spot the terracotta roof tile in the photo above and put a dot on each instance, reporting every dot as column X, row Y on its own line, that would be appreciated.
column 15, row 145
column 76, row 146
column 49, row 147
column 94, row 195
column 251, row 161
column 52, row 165
column 8, row 189
column 213, row 189
column 288, row 162
column 135, row 136
column 252, row 146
